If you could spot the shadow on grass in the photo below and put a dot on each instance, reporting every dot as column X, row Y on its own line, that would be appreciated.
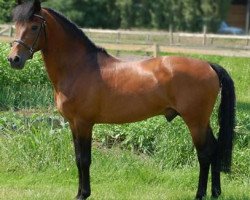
column 243, row 106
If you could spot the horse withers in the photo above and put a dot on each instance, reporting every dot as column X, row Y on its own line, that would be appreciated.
column 91, row 87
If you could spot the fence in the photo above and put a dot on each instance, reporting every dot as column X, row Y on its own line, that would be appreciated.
column 6, row 30
column 161, row 41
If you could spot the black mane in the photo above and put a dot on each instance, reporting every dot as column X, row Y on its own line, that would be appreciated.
column 26, row 11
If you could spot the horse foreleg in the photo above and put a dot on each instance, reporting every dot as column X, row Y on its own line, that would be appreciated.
column 82, row 143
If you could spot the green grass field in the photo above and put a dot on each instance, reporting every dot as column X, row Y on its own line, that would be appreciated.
column 152, row 160
column 116, row 175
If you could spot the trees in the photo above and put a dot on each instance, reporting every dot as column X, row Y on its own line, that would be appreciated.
column 135, row 13
column 182, row 15
column 89, row 13
column 5, row 10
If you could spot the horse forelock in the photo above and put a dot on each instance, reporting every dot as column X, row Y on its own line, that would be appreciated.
column 24, row 11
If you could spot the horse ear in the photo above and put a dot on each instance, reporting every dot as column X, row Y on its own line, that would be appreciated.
column 37, row 6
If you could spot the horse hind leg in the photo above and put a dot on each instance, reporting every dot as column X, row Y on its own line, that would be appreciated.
column 209, row 155
column 206, row 146
column 215, row 170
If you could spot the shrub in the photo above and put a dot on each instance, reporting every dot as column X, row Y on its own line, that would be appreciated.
column 33, row 73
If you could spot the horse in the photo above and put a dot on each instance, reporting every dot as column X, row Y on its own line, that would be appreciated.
column 91, row 86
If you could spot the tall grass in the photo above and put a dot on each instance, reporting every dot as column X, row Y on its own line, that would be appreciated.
column 23, row 89
column 26, row 97
column 34, row 142
column 37, row 141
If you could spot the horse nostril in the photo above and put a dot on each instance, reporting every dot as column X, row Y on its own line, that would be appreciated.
column 16, row 59
column 9, row 59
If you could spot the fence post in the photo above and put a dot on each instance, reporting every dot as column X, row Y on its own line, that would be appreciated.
column 11, row 31
column 171, row 40
column 148, row 38
column 118, row 37
column 212, row 40
column 156, row 50
column 204, row 35
column 179, row 39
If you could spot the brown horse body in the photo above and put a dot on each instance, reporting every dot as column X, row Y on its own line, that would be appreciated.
column 93, row 87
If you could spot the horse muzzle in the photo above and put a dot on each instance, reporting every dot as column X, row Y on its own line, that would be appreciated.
column 16, row 62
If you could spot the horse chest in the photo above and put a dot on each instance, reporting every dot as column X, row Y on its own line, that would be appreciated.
column 75, row 107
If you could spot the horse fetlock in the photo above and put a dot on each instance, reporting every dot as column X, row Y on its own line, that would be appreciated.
column 83, row 195
column 216, row 192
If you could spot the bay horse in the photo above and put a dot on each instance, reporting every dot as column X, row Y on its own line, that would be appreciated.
column 91, row 86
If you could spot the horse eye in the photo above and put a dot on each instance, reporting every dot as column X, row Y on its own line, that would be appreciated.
column 34, row 28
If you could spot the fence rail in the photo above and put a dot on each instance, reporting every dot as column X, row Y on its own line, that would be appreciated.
column 156, row 41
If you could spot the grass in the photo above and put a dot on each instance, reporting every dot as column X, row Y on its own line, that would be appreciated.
column 146, row 160
column 25, row 97
column 116, row 174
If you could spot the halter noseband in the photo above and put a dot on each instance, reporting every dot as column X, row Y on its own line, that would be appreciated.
column 31, row 49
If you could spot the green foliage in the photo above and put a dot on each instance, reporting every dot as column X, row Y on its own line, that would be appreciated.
column 169, row 144
column 26, row 96
column 33, row 141
column 6, row 7
column 161, row 20
column 188, row 15
column 33, row 72
column 89, row 13
column 41, row 140
column 27, row 88
column 127, row 16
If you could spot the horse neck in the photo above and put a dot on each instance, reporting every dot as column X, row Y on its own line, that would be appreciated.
column 61, row 53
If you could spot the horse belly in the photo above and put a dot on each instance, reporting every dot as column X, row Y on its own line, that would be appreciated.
column 127, row 110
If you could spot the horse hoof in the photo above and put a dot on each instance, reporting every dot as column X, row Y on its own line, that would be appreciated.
column 200, row 197
column 216, row 193
column 82, row 196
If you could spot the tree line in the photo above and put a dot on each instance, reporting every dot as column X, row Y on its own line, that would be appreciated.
column 181, row 15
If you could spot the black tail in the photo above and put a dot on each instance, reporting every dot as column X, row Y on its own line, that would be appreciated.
column 226, row 118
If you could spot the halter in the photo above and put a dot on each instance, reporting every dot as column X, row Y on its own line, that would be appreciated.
column 31, row 49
